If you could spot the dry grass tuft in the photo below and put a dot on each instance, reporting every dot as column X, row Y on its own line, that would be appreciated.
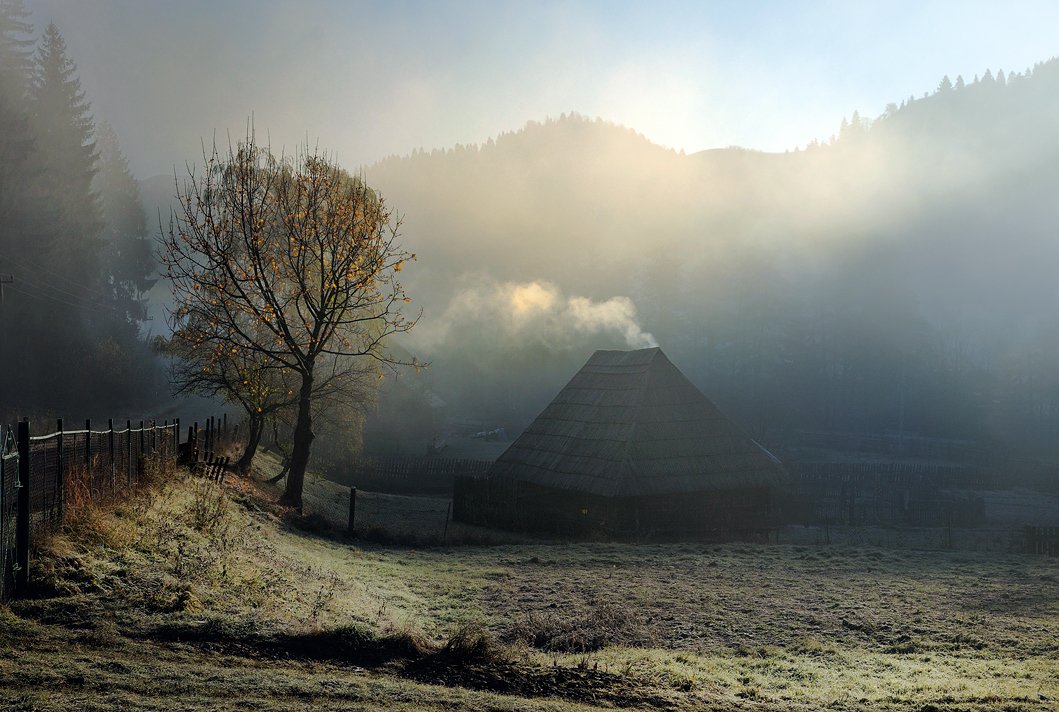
column 603, row 624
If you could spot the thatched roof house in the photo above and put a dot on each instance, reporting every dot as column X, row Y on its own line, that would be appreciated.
column 629, row 446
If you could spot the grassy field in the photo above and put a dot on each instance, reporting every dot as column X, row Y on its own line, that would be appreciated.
column 201, row 597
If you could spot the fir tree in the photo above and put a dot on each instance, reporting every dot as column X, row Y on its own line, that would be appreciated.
column 16, row 48
column 129, row 265
column 16, row 141
column 69, row 228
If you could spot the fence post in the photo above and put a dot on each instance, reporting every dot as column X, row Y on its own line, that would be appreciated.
column 110, row 445
column 88, row 449
column 128, row 451
column 139, row 459
column 445, row 533
column 22, row 525
column 61, row 482
column 352, row 507
column 176, row 438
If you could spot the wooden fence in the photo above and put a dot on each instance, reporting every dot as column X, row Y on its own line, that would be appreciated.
column 1041, row 540
column 39, row 474
column 412, row 475
column 883, row 494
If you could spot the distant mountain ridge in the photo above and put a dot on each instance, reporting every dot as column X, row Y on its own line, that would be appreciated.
column 929, row 229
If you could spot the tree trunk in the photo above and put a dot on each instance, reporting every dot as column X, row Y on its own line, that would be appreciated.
column 303, row 439
column 282, row 473
column 255, row 428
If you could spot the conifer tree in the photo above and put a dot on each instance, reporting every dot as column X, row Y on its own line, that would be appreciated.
column 16, row 143
column 16, row 47
column 69, row 231
column 129, row 265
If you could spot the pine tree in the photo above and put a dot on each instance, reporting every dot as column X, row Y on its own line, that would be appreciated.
column 16, row 48
column 945, row 85
column 128, row 263
column 16, row 142
column 959, row 81
column 68, row 231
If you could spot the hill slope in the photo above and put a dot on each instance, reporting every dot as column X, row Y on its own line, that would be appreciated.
column 910, row 260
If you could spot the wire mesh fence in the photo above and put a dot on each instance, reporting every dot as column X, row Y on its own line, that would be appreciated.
column 8, row 512
column 42, row 475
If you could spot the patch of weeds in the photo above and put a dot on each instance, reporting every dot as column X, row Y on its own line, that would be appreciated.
column 208, row 510
column 322, row 597
column 472, row 642
column 604, row 624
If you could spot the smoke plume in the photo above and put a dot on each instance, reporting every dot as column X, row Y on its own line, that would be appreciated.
column 534, row 312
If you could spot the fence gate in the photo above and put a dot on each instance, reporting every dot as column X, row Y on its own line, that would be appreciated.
column 9, row 486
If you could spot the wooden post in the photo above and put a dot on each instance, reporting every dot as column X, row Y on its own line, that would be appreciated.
column 445, row 533
column 22, row 525
column 352, row 507
column 61, row 483
column 176, row 440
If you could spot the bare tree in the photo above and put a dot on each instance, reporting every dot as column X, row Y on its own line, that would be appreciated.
column 244, row 377
column 294, row 261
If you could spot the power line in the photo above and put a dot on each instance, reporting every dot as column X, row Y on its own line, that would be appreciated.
column 81, row 300
column 39, row 268
column 59, row 300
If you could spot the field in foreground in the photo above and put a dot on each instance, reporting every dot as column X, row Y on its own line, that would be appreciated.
column 200, row 597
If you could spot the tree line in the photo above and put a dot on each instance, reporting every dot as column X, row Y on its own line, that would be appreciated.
column 75, row 254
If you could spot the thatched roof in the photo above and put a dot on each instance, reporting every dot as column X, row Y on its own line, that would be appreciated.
column 630, row 423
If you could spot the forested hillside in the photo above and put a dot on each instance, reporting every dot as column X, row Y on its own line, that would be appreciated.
column 898, row 276
column 75, row 253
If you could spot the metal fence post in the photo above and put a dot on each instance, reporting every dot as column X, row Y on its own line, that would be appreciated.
column 61, row 482
column 139, row 459
column 22, row 525
column 110, row 427
column 88, row 448
column 128, row 450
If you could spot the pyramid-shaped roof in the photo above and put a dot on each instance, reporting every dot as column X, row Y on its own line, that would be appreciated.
column 629, row 423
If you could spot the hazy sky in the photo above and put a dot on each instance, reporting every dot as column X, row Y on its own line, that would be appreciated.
column 368, row 79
